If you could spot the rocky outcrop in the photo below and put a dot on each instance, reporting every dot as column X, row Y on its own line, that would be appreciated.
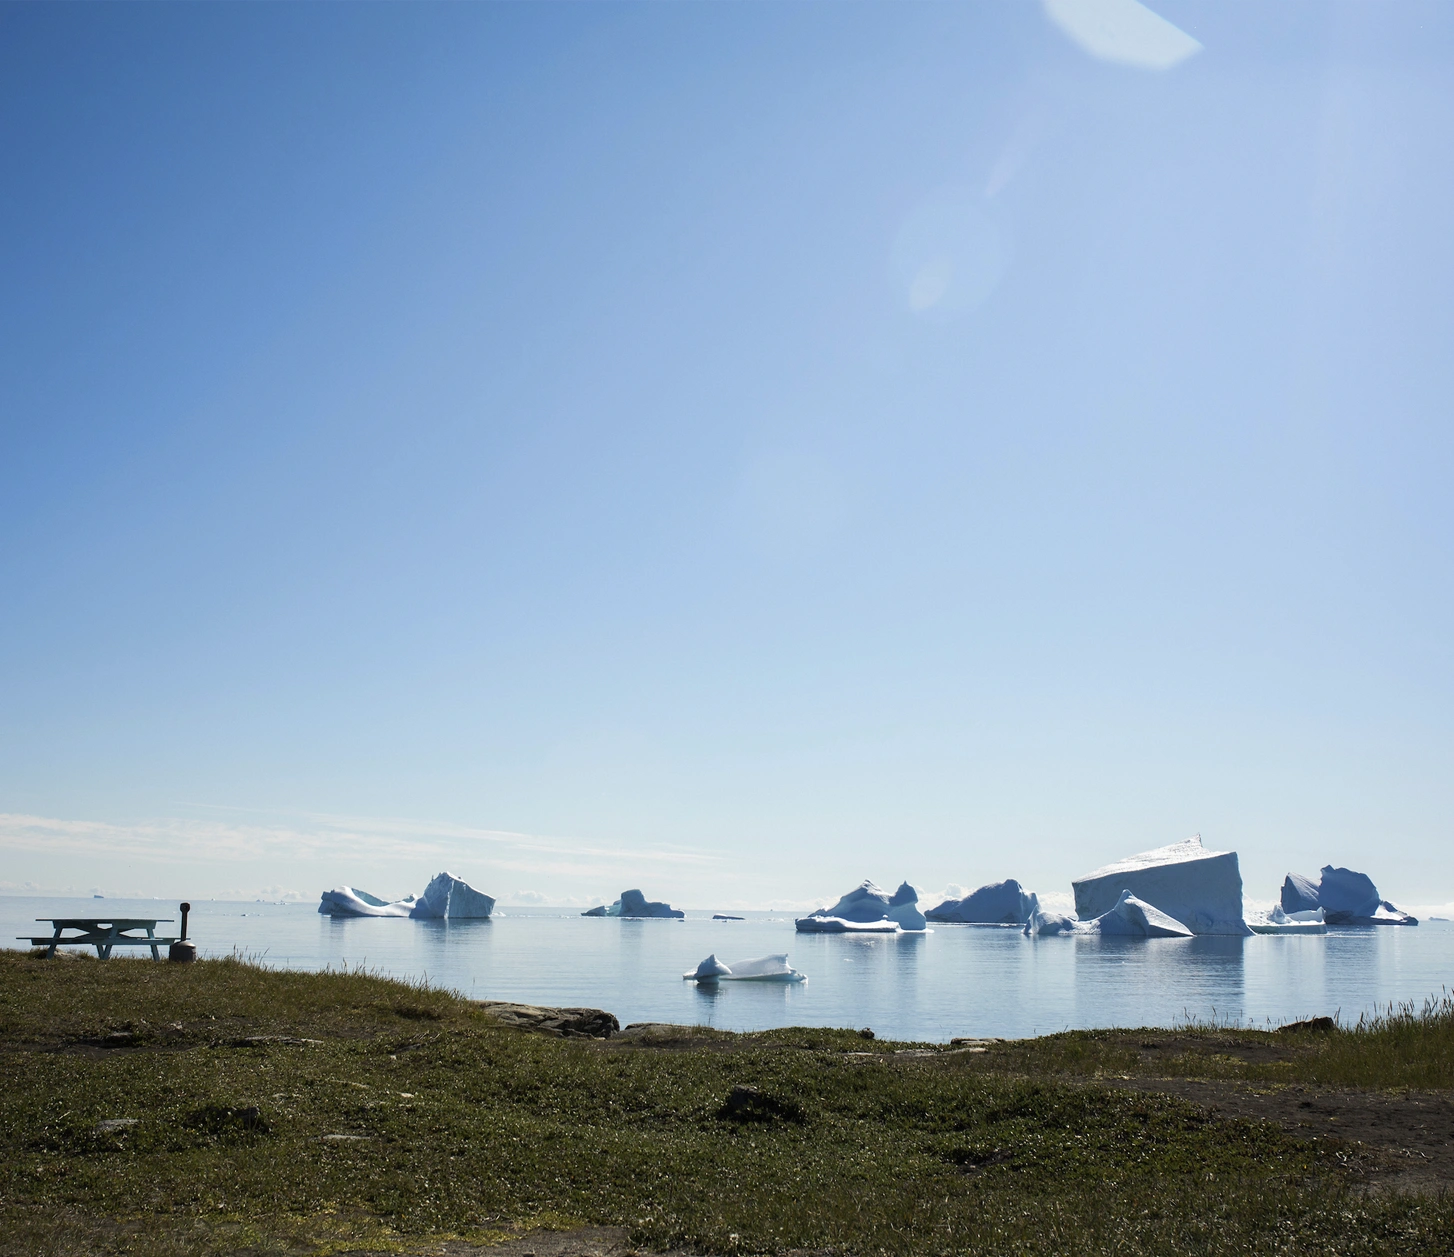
column 561, row 1023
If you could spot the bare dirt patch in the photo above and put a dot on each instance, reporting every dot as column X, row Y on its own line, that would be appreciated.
column 1412, row 1132
column 586, row 1241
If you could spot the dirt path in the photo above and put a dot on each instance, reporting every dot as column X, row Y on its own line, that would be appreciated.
column 1412, row 1132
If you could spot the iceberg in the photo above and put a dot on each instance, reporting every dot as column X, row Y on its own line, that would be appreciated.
column 866, row 904
column 837, row 925
column 1197, row 888
column 1346, row 898
column 346, row 901
column 999, row 903
column 1280, row 921
column 773, row 968
column 602, row 910
column 634, row 904
column 1129, row 917
column 449, row 898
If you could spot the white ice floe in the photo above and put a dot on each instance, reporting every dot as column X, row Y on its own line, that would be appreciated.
column 1200, row 889
column 1279, row 921
column 1128, row 917
column 867, row 905
column 449, row 898
column 837, row 925
column 346, row 901
column 1346, row 898
column 634, row 904
column 773, row 968
column 999, row 903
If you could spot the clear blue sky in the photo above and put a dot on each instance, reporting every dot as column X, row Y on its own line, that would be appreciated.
column 727, row 449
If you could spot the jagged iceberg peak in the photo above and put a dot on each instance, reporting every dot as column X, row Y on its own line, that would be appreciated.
column 867, row 903
column 1198, row 888
column 348, row 901
column 448, row 897
column 999, row 903
column 633, row 903
column 1129, row 917
column 1346, row 898
column 774, row 968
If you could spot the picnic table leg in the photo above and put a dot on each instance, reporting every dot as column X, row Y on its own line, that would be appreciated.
column 151, row 934
column 51, row 951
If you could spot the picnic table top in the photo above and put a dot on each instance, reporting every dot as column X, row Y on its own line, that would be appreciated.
column 91, row 923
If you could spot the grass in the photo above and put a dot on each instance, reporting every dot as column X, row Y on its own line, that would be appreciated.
column 454, row 1126
column 1407, row 1046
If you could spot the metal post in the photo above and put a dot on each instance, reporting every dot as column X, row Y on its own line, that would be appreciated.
column 183, row 952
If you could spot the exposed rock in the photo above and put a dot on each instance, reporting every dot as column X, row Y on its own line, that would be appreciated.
column 748, row 1104
column 567, row 1023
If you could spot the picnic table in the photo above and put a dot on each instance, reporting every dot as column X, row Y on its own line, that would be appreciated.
column 103, row 933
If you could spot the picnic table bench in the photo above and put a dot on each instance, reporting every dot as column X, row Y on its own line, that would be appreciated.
column 103, row 933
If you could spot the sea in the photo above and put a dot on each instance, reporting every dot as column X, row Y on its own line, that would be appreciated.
column 952, row 981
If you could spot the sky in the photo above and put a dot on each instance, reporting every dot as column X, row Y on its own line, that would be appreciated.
column 727, row 450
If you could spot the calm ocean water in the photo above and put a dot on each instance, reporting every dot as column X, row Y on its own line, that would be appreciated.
column 955, row 980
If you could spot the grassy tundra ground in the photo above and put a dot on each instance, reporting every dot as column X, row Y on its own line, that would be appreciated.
column 297, row 1113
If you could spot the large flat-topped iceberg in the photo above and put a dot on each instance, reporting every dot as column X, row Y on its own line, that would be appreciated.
column 773, row 968
column 999, row 903
column 634, row 904
column 346, row 901
column 864, row 905
column 1199, row 888
column 1128, row 917
column 449, row 898
column 1346, row 898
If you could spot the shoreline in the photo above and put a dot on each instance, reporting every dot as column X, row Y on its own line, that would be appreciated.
column 224, row 1107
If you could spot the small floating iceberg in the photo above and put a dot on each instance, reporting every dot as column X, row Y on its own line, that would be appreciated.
column 1346, row 898
column 999, row 903
column 763, row 969
column 868, row 906
column 1129, row 918
column 837, row 925
column 346, row 901
column 634, row 904
column 1279, row 921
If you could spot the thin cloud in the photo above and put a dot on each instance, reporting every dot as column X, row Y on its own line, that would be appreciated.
column 318, row 835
